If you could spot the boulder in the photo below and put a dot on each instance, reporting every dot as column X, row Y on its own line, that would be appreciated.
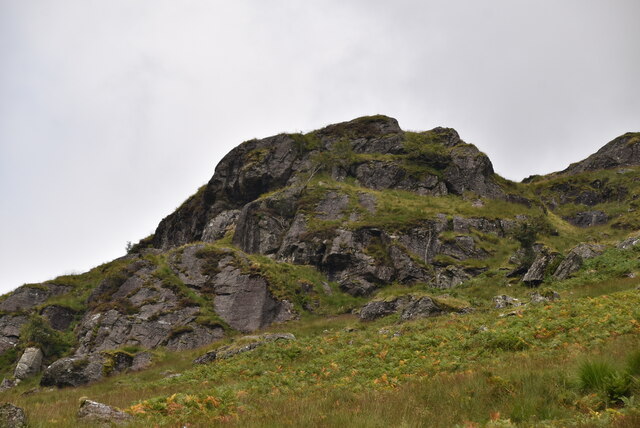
column 101, row 414
column 74, row 371
column 629, row 243
column 29, row 364
column 504, row 301
column 12, row 416
column 420, row 308
column 378, row 309
column 575, row 258
column 545, row 296
column 8, row 384
column 537, row 271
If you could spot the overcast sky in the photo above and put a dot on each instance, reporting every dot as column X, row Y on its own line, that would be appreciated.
column 113, row 112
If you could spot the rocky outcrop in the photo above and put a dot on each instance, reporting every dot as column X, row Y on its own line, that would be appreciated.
column 575, row 258
column 622, row 151
column 242, row 345
column 59, row 317
column 10, row 327
column 629, row 243
column 257, row 167
column 101, row 414
column 85, row 369
column 29, row 296
column 543, row 297
column 588, row 218
column 12, row 416
column 74, row 371
column 410, row 307
column 538, row 270
column 29, row 364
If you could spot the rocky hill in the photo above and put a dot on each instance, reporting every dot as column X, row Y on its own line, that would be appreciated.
column 356, row 218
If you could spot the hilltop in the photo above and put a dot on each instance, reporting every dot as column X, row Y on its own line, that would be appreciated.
column 369, row 265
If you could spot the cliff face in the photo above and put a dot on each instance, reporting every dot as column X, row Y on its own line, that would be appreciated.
column 372, row 150
column 318, row 223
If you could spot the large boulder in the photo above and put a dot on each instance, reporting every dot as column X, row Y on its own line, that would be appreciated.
column 575, row 258
column 101, row 414
column 29, row 364
column 74, row 371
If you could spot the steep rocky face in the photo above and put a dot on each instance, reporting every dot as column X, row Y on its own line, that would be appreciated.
column 435, row 162
column 622, row 151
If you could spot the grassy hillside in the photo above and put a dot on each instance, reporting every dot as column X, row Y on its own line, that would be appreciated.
column 476, row 369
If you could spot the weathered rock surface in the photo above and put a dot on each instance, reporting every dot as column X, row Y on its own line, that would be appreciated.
column 504, row 301
column 244, row 344
column 544, row 297
column 29, row 364
column 622, row 151
column 29, row 296
column 629, row 243
column 589, row 218
column 575, row 258
column 59, row 317
column 12, row 416
column 244, row 301
column 409, row 307
column 101, row 414
column 10, row 327
column 74, row 371
column 536, row 273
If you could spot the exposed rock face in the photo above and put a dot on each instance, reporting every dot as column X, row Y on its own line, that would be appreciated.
column 622, row 151
column 59, row 317
column 27, row 297
column 574, row 259
column 74, row 371
column 588, row 219
column 29, row 364
column 12, row 416
column 409, row 307
column 244, row 301
column 10, row 326
column 102, row 414
column 260, row 166
column 536, row 273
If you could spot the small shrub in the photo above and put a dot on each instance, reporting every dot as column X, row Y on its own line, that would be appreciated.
column 601, row 377
column 53, row 343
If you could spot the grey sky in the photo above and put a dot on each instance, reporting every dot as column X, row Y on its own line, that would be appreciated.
column 113, row 112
